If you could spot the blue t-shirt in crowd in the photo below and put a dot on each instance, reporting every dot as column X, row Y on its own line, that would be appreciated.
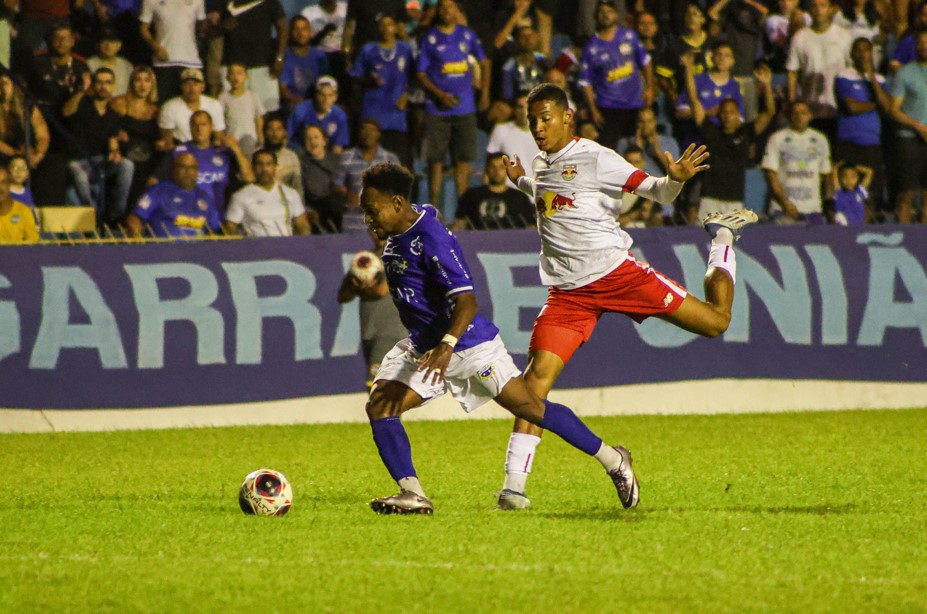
column 216, row 167
column 905, row 52
column 334, row 124
column 863, row 129
column 171, row 211
column 301, row 72
column 445, row 59
column 911, row 83
column 710, row 94
column 425, row 268
column 852, row 205
column 392, row 66
column 613, row 69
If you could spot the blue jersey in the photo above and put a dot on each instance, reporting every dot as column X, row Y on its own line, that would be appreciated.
column 710, row 94
column 171, row 211
column 425, row 268
column 334, row 124
column 215, row 170
column 905, row 52
column 852, row 205
column 300, row 73
column 446, row 60
column 864, row 128
column 392, row 66
column 613, row 69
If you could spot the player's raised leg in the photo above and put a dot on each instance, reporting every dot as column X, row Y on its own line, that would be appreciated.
column 387, row 402
column 712, row 316
column 518, row 398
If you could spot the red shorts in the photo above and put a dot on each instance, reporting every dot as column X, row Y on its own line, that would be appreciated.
column 569, row 316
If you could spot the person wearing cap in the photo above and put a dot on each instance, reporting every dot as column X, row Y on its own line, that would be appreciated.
column 174, row 120
column 323, row 112
column 616, row 75
column 108, row 47
column 169, row 27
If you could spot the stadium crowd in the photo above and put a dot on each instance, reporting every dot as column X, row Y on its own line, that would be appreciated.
column 259, row 117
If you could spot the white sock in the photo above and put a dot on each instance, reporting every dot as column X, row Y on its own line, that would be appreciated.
column 721, row 256
column 519, row 457
column 724, row 236
column 609, row 457
column 411, row 484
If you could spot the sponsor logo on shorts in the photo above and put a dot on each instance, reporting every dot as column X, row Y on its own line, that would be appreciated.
column 487, row 372
column 668, row 299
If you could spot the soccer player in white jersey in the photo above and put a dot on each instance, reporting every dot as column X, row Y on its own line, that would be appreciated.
column 586, row 262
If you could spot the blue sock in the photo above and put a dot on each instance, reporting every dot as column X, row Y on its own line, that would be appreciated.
column 393, row 446
column 560, row 420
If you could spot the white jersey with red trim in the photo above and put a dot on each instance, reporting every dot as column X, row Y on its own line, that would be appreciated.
column 577, row 192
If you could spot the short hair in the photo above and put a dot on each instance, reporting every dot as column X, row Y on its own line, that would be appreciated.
column 201, row 112
column 389, row 178
column 103, row 71
column 372, row 121
column 239, row 64
column 551, row 92
column 728, row 100
column 722, row 43
column 496, row 155
column 263, row 152
column 633, row 149
column 272, row 119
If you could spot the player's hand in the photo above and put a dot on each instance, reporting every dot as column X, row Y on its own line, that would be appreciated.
column 434, row 363
column 513, row 168
column 688, row 165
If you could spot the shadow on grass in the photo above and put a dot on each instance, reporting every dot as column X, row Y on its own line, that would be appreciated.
column 638, row 515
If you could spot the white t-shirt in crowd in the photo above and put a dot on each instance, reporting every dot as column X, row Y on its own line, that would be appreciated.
column 175, row 115
column 173, row 24
column 799, row 159
column 318, row 18
column 122, row 72
column 265, row 213
column 818, row 57
column 510, row 139
column 240, row 114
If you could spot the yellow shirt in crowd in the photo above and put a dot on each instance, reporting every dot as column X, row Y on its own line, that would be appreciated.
column 18, row 225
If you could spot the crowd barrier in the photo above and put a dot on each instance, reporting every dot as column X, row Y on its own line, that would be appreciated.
column 217, row 323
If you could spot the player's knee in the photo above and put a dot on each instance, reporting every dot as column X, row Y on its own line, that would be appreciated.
column 379, row 406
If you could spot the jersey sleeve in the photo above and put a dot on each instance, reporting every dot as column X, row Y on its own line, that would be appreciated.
column 359, row 68
column 297, row 208
column 476, row 47
column 235, row 212
column 771, row 155
column 616, row 175
column 148, row 204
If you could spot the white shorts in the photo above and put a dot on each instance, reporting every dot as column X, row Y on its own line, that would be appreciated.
column 474, row 377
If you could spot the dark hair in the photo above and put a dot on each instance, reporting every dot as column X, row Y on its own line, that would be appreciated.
column 632, row 149
column 722, row 43
column 263, row 152
column 389, row 178
column 201, row 112
column 870, row 13
column 551, row 92
column 495, row 155
column 103, row 71
column 372, row 121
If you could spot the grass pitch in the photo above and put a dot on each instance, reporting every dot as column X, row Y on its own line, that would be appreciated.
column 788, row 512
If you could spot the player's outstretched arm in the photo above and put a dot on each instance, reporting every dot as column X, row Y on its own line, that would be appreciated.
column 515, row 171
column 689, row 164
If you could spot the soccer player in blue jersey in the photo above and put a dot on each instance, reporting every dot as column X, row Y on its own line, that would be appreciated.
column 177, row 207
column 450, row 347
column 616, row 75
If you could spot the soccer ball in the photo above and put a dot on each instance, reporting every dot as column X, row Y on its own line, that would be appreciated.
column 365, row 266
column 265, row 492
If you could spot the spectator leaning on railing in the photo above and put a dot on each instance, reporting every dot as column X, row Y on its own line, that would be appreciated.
column 266, row 208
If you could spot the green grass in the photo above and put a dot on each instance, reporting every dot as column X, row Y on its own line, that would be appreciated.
column 789, row 512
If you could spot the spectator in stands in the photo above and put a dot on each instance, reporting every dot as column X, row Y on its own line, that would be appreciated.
column 651, row 143
column 514, row 137
column 319, row 166
column 169, row 27
column 383, row 69
column 38, row 20
column 797, row 159
column 712, row 87
column 648, row 30
column 17, row 223
column 861, row 95
column 525, row 68
column 96, row 158
column 220, row 160
column 176, row 207
column 16, row 131
column 108, row 56
column 637, row 211
column 122, row 17
column 780, row 27
column 322, row 111
column 909, row 110
column 693, row 39
column 863, row 19
column 556, row 76
column 361, row 24
column 742, row 24
column 448, row 58
column 244, row 111
column 19, row 181
column 617, row 75
column 249, row 27
column 328, row 19
column 303, row 64
column 351, row 167
column 511, row 16
column 586, row 129
column 174, row 120
column 266, row 208
column 288, row 162
column 816, row 55
column 906, row 52
column 494, row 205
column 730, row 142
column 850, row 203
column 58, row 74
column 139, row 111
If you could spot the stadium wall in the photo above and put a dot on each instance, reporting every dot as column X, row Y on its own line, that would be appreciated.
column 250, row 331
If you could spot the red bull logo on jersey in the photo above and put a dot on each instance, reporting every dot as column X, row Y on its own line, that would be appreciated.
column 550, row 203
column 569, row 172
